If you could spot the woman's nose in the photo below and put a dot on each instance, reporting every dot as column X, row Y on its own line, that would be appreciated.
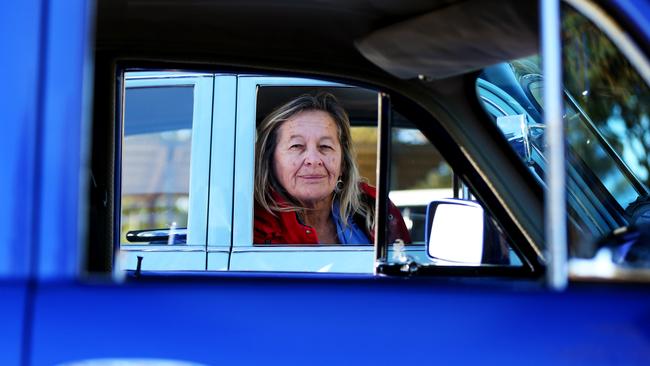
column 312, row 157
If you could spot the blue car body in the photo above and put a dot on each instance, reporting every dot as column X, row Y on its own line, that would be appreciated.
column 51, row 314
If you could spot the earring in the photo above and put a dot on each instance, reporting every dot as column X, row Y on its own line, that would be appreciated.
column 339, row 186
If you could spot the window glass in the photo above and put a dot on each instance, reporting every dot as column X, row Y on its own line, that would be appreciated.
column 365, row 145
column 419, row 175
column 606, row 120
column 156, row 155
column 421, row 183
column 613, row 100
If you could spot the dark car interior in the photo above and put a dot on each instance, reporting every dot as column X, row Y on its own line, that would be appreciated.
column 368, row 43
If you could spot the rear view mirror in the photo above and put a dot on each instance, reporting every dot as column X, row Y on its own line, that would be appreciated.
column 455, row 230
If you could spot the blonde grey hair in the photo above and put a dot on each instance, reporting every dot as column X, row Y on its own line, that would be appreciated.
column 348, row 193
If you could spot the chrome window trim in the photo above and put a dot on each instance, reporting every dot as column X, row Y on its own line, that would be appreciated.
column 222, row 151
column 150, row 75
column 219, row 249
column 305, row 249
column 164, row 248
column 200, row 163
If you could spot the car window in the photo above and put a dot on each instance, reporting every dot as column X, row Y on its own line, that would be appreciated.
column 418, row 175
column 164, row 168
column 156, row 161
column 612, row 99
column 606, row 125
column 257, row 247
column 188, row 179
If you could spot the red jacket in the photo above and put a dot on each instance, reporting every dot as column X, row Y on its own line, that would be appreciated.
column 284, row 227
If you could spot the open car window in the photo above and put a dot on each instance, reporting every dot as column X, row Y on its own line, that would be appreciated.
column 264, row 244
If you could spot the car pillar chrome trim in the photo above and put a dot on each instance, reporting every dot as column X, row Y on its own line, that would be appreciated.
column 383, row 179
column 555, row 202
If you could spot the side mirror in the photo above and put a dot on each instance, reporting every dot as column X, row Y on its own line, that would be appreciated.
column 454, row 231
column 459, row 232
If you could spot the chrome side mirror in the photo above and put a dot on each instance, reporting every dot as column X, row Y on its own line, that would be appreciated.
column 455, row 230
column 460, row 232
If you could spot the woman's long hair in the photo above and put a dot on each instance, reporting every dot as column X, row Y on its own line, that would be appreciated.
column 348, row 193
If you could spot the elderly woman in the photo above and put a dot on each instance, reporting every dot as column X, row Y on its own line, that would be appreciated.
column 307, row 185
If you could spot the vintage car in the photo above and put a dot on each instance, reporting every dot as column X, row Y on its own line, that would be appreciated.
column 513, row 135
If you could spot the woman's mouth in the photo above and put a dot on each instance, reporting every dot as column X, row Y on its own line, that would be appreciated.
column 312, row 176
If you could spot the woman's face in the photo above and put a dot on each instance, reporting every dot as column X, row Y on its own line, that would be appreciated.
column 308, row 157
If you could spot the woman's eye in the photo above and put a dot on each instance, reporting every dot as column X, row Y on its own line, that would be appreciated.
column 295, row 146
column 326, row 147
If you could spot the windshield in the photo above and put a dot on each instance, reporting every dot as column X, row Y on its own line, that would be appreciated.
column 606, row 125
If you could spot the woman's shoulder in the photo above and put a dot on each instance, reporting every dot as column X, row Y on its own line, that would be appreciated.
column 368, row 190
column 266, row 227
column 397, row 227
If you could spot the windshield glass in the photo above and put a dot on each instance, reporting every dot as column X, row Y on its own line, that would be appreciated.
column 607, row 127
column 599, row 157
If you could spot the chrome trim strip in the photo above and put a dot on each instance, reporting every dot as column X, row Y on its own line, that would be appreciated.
column 162, row 249
column 224, row 250
column 383, row 179
column 200, row 162
column 152, row 75
column 496, row 106
column 555, row 203
column 304, row 249
column 243, row 186
column 222, row 160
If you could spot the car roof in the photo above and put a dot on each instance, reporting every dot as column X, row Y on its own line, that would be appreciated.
column 318, row 36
